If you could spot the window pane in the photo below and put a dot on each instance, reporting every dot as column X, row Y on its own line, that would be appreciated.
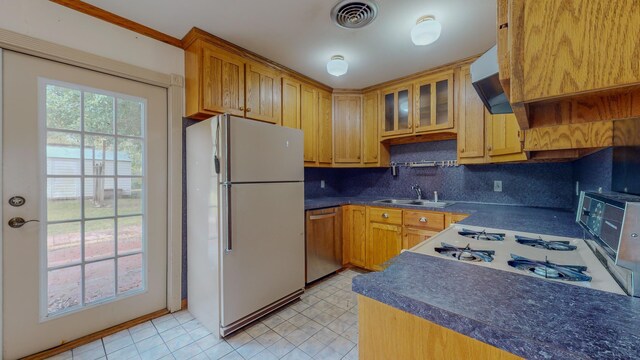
column 129, row 157
column 129, row 196
column 99, row 155
column 99, row 280
column 389, row 112
column 98, row 113
column 130, row 117
column 63, row 243
column 425, row 105
column 63, row 199
column 98, row 197
column 62, row 108
column 99, row 239
column 63, row 153
column 129, row 234
column 64, row 289
column 130, row 273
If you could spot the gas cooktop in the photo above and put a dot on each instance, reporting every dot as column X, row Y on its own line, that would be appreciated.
column 553, row 258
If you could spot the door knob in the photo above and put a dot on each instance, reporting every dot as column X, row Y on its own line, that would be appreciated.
column 18, row 222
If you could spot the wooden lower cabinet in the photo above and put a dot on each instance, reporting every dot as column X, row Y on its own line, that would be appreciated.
column 412, row 237
column 388, row 333
column 355, row 235
column 384, row 241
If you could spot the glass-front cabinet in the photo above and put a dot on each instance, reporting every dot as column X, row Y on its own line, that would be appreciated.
column 397, row 111
column 434, row 103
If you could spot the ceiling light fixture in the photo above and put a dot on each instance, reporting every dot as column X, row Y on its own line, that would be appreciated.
column 426, row 31
column 337, row 66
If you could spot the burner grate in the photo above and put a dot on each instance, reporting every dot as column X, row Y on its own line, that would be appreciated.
column 547, row 245
column 466, row 253
column 550, row 270
column 482, row 235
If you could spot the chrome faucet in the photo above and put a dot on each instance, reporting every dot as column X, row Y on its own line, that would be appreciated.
column 418, row 191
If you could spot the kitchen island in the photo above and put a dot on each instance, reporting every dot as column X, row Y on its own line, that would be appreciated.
column 528, row 317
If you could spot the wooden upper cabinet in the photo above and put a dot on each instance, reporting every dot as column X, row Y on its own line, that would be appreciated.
column 290, row 103
column 309, row 122
column 348, row 128
column 503, row 137
column 397, row 111
column 433, row 103
column 471, row 122
column 568, row 47
column 222, row 82
column 370, row 121
column 263, row 86
column 325, row 128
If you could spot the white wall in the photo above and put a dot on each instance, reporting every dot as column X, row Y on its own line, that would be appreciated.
column 55, row 23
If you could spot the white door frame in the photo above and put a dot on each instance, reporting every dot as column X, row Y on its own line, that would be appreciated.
column 174, row 84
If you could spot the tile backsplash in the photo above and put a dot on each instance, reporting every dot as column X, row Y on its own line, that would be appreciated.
column 543, row 184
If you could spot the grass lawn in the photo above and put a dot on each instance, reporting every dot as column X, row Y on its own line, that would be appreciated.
column 70, row 209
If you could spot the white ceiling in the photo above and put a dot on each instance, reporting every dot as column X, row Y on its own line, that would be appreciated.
column 300, row 34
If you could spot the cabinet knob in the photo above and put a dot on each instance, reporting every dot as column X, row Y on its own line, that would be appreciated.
column 385, row 216
column 241, row 108
column 461, row 150
column 489, row 148
column 423, row 219
column 248, row 109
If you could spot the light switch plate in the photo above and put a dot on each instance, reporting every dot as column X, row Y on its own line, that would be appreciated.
column 321, row 184
column 497, row 186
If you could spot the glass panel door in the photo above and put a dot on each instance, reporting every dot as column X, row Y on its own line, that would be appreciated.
column 442, row 102
column 389, row 112
column 424, row 105
column 95, row 238
column 403, row 110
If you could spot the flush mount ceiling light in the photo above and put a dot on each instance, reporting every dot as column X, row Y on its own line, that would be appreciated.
column 337, row 66
column 426, row 31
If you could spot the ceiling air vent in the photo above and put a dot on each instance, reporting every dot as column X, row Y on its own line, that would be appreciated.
column 351, row 14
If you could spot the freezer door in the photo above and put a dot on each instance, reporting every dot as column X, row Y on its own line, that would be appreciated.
column 260, row 152
column 266, row 261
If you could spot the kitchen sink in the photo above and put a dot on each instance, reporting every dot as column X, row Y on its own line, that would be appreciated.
column 425, row 203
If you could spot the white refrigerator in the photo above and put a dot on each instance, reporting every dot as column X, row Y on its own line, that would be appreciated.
column 245, row 220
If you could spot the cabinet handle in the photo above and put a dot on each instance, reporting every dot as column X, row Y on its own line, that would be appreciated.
column 385, row 216
column 248, row 109
column 319, row 217
column 489, row 148
column 461, row 150
column 241, row 108
column 423, row 219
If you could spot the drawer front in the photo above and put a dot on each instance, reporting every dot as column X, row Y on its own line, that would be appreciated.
column 424, row 220
column 385, row 215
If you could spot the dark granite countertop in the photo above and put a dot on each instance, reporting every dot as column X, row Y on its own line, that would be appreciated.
column 549, row 221
column 532, row 318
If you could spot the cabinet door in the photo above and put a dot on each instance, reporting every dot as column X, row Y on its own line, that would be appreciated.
column 397, row 105
column 413, row 237
column 434, row 103
column 384, row 242
column 355, row 231
column 290, row 103
column 503, row 138
column 348, row 131
column 222, row 82
column 309, row 122
column 263, row 93
column 471, row 126
column 370, row 139
column 325, row 128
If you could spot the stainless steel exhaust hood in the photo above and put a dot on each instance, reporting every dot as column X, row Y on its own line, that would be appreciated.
column 484, row 77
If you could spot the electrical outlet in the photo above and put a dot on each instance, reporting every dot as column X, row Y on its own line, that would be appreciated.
column 497, row 186
column 321, row 184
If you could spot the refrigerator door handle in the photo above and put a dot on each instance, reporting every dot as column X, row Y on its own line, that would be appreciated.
column 227, row 216
column 226, row 118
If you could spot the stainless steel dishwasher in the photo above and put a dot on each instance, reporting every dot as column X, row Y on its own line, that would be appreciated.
column 323, row 242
